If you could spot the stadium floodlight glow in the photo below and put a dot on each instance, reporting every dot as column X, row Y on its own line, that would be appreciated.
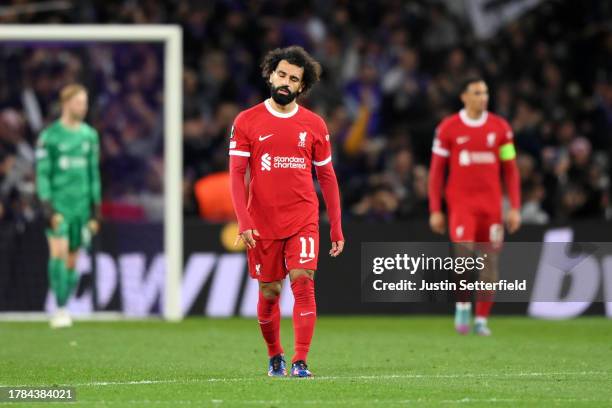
column 171, row 37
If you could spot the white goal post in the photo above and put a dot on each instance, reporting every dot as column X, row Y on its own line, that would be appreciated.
column 171, row 37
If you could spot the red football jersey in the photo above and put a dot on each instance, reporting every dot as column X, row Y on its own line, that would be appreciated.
column 282, row 148
column 473, row 149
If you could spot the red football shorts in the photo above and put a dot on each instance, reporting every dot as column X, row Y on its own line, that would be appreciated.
column 272, row 259
column 474, row 226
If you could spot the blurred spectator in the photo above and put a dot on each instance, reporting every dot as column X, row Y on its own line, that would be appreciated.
column 125, row 86
column 16, row 169
column 532, row 212
column 379, row 205
column 214, row 197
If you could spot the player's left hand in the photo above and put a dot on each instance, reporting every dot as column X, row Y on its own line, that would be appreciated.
column 93, row 226
column 513, row 220
column 337, row 248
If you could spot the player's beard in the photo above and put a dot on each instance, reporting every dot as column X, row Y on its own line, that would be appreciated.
column 280, row 98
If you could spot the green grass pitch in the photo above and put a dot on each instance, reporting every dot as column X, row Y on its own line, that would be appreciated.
column 358, row 361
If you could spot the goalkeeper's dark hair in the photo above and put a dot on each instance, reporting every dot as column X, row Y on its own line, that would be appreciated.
column 295, row 55
column 469, row 81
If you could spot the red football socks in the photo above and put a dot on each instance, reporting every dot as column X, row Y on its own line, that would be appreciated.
column 304, row 315
column 484, row 303
column 268, row 315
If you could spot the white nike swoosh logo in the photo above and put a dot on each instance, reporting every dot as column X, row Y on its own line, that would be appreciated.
column 264, row 321
column 262, row 138
column 306, row 260
column 306, row 314
column 463, row 140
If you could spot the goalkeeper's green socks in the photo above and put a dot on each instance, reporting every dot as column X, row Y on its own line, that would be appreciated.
column 73, row 282
column 58, row 280
column 63, row 281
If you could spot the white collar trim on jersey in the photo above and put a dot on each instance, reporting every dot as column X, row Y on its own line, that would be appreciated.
column 279, row 114
column 473, row 122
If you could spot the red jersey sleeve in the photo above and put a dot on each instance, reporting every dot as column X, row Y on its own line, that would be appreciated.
column 439, row 158
column 507, row 134
column 507, row 155
column 321, row 149
column 441, row 144
column 321, row 159
column 239, row 144
column 239, row 151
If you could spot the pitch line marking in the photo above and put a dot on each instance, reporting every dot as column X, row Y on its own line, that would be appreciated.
column 343, row 402
column 326, row 378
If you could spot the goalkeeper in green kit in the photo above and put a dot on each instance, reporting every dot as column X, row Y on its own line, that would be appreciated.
column 68, row 186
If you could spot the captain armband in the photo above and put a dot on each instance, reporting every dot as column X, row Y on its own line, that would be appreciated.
column 507, row 152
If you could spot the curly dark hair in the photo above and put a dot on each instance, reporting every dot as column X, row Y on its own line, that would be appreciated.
column 294, row 55
column 469, row 81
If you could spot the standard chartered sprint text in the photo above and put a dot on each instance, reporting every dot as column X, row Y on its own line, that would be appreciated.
column 413, row 264
column 288, row 162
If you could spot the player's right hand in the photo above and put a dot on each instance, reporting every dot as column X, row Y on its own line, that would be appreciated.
column 437, row 222
column 55, row 221
column 248, row 237
column 94, row 226
column 513, row 220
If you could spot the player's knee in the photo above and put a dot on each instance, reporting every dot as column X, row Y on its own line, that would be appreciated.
column 490, row 273
column 296, row 273
column 270, row 290
column 462, row 248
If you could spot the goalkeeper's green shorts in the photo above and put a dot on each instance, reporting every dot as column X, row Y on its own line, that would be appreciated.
column 75, row 230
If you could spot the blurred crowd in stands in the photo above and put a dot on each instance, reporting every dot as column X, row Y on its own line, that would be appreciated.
column 391, row 73
column 125, row 82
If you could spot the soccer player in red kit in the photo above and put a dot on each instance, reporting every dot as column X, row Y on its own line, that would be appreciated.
column 474, row 144
column 280, row 142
